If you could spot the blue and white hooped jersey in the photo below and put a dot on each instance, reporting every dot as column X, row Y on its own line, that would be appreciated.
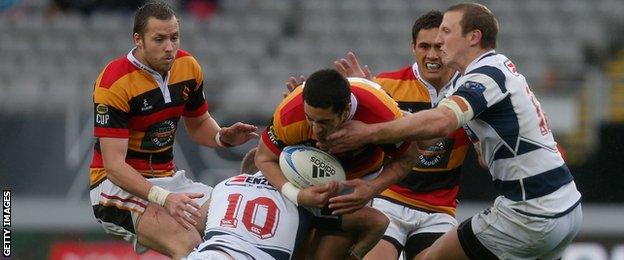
column 511, row 132
column 250, row 219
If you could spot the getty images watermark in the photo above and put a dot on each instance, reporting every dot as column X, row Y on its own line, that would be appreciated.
column 6, row 223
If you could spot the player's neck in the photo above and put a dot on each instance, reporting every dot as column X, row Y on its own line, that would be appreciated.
column 441, row 82
column 470, row 57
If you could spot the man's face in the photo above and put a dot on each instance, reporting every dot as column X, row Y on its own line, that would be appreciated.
column 453, row 43
column 159, row 43
column 323, row 121
column 427, row 53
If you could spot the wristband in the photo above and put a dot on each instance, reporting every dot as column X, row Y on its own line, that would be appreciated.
column 157, row 195
column 221, row 143
column 290, row 192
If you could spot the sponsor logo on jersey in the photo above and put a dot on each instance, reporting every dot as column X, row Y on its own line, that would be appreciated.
column 475, row 87
column 248, row 180
column 101, row 115
column 320, row 169
column 164, row 134
column 101, row 109
column 146, row 105
column 433, row 155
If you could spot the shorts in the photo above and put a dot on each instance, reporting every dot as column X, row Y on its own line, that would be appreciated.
column 406, row 222
column 118, row 211
column 500, row 232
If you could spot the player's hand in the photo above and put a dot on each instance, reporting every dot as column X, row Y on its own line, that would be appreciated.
column 362, row 193
column 238, row 133
column 317, row 196
column 350, row 67
column 350, row 136
column 181, row 207
column 293, row 83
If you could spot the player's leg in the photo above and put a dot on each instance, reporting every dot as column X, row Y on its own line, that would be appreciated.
column 200, row 221
column 158, row 230
column 331, row 244
column 446, row 247
column 384, row 250
column 431, row 226
column 419, row 242
column 369, row 224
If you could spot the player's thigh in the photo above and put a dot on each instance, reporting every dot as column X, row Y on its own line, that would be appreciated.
column 200, row 222
column 331, row 244
column 419, row 242
column 383, row 250
column 445, row 247
column 159, row 230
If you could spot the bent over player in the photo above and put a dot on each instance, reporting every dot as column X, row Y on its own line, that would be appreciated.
column 308, row 115
column 537, row 212
column 136, row 192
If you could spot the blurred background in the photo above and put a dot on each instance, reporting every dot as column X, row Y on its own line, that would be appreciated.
column 571, row 52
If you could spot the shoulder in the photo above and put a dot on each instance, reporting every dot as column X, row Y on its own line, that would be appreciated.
column 404, row 73
column 184, row 57
column 290, row 110
column 495, row 69
column 114, row 71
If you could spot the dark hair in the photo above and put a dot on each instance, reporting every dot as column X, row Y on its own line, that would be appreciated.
column 432, row 19
column 156, row 9
column 478, row 17
column 326, row 88
column 248, row 164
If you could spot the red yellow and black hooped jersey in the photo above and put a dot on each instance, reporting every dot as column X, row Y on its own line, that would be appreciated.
column 131, row 102
column 369, row 105
column 433, row 184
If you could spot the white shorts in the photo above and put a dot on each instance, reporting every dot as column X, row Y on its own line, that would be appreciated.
column 118, row 210
column 406, row 222
column 509, row 234
column 209, row 255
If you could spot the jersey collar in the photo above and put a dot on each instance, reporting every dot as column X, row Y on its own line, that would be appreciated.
column 434, row 95
column 162, row 83
column 478, row 59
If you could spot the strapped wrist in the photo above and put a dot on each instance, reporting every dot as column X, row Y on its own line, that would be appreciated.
column 157, row 195
column 221, row 143
column 291, row 192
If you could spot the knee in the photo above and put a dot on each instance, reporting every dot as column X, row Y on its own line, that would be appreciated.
column 379, row 222
column 187, row 240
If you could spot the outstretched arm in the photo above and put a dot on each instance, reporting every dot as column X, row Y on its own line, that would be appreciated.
column 426, row 124
column 204, row 129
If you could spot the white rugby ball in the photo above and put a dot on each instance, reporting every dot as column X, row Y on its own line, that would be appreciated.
column 306, row 166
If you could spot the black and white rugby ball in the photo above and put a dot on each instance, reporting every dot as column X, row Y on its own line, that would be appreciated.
column 306, row 166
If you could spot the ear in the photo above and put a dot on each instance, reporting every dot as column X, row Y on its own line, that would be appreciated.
column 137, row 39
column 345, row 114
column 413, row 44
column 475, row 37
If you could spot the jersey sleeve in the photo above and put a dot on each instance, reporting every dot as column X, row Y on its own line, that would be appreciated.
column 196, row 104
column 288, row 125
column 111, row 113
column 482, row 88
column 399, row 148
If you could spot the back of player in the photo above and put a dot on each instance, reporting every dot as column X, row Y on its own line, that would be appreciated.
column 249, row 219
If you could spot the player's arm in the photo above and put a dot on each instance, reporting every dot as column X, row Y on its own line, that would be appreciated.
column 123, row 175
column 423, row 125
column 395, row 170
column 206, row 131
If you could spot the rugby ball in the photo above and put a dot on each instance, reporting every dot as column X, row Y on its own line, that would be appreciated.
column 306, row 166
